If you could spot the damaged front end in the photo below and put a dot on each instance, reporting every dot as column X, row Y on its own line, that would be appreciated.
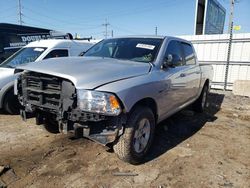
column 53, row 99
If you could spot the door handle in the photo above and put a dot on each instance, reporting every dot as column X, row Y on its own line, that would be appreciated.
column 183, row 75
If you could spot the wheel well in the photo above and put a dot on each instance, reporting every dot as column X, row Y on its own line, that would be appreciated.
column 207, row 83
column 150, row 103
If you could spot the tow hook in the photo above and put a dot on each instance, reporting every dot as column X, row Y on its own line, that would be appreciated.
column 65, row 127
column 23, row 115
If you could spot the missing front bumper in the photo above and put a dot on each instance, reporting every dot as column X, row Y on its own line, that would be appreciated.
column 52, row 98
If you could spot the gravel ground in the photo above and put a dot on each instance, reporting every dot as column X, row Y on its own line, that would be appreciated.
column 190, row 150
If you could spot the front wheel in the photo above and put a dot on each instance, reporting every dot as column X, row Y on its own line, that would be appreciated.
column 134, row 144
column 11, row 103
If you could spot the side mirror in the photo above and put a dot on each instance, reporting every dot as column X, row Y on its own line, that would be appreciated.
column 172, row 60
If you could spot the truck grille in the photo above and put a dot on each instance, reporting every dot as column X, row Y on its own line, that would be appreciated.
column 42, row 90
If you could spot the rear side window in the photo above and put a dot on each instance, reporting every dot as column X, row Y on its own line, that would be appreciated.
column 189, row 56
column 57, row 53
column 174, row 48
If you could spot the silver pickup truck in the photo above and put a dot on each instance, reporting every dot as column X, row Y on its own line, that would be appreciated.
column 117, row 92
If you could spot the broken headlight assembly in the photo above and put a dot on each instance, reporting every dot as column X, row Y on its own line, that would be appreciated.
column 98, row 102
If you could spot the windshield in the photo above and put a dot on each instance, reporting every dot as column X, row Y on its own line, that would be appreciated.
column 134, row 49
column 24, row 55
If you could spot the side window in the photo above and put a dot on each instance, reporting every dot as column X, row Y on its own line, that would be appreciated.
column 174, row 49
column 189, row 56
column 57, row 53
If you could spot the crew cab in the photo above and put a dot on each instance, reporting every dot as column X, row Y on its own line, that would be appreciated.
column 34, row 52
column 117, row 92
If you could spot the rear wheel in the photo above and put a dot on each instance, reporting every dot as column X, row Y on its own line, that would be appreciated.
column 200, row 104
column 134, row 144
column 11, row 103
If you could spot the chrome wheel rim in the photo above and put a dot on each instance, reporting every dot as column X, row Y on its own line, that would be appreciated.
column 141, row 136
column 204, row 97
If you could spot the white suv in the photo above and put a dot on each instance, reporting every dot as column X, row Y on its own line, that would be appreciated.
column 34, row 52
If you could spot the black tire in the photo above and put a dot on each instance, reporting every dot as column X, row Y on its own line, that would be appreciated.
column 201, row 103
column 51, row 126
column 78, row 132
column 125, row 147
column 11, row 103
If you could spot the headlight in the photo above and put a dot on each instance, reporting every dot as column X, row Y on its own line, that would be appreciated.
column 98, row 102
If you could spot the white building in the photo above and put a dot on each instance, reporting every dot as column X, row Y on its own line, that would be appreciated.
column 213, row 49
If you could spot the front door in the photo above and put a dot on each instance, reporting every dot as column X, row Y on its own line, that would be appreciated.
column 174, row 80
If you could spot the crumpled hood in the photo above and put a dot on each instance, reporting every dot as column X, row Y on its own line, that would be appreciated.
column 89, row 72
column 6, row 76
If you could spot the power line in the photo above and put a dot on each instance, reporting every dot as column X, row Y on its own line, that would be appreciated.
column 118, row 12
column 115, row 14
column 9, row 12
column 48, row 24
column 140, row 10
column 7, row 9
column 61, row 21
column 146, row 7
column 12, row 15
column 40, row 21
column 125, row 30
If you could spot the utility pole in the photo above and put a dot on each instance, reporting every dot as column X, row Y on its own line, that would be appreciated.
column 112, row 33
column 230, row 32
column 20, row 13
column 156, row 31
column 106, row 24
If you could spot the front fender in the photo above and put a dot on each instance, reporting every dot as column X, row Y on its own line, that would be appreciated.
column 132, row 90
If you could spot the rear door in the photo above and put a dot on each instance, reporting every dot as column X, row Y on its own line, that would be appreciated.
column 191, row 71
